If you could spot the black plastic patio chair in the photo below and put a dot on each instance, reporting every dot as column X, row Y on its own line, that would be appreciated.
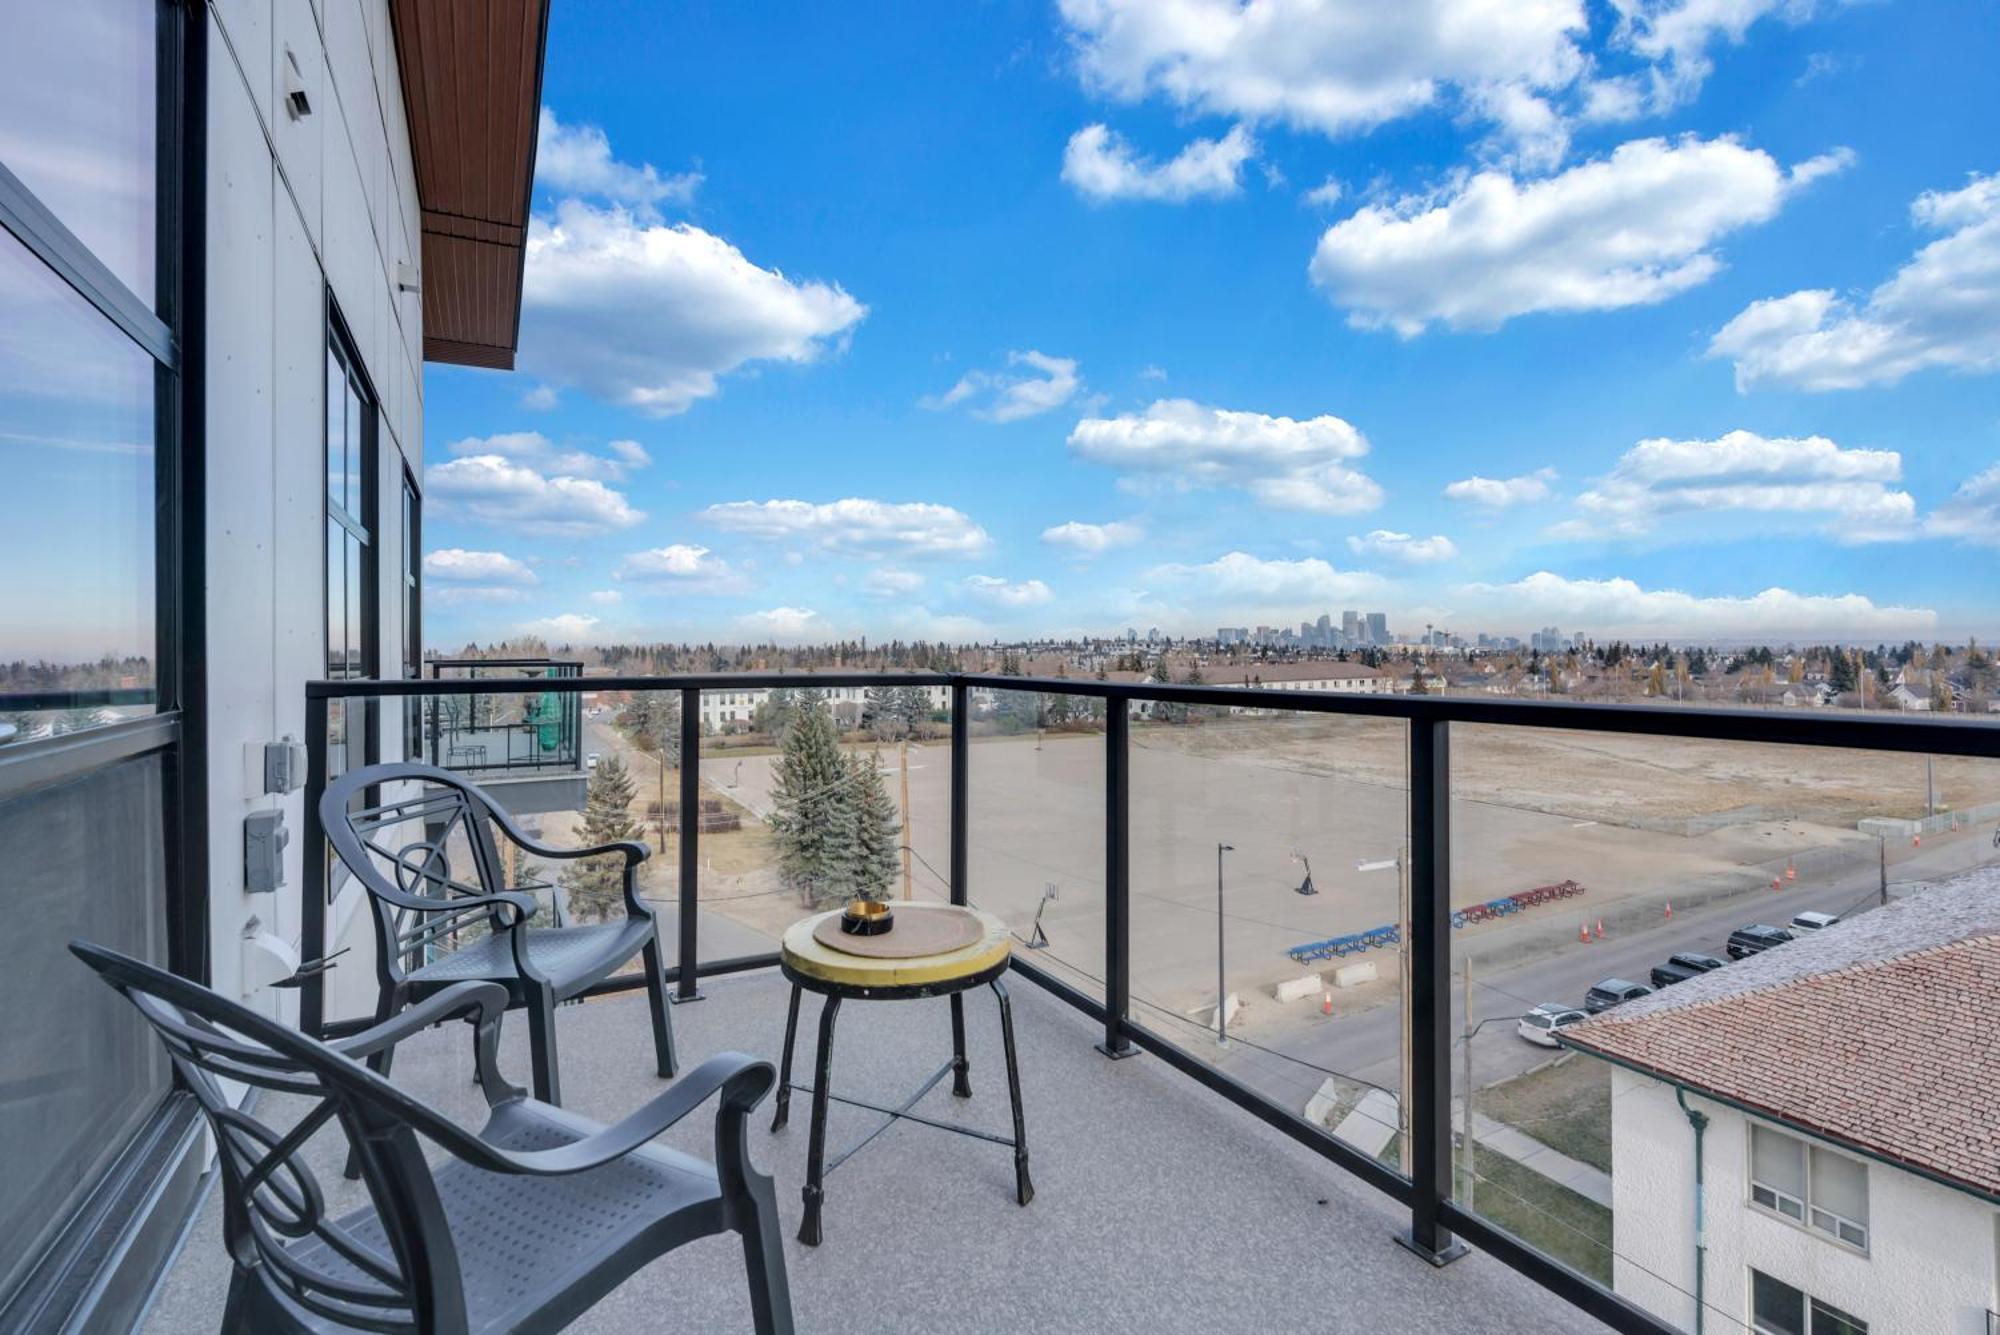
column 424, row 916
column 522, row 1227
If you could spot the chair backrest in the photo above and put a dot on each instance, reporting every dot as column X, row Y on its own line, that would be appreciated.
column 270, row 1195
column 398, row 847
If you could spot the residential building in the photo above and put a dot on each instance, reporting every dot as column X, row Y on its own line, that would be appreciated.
column 733, row 709
column 1312, row 675
column 1805, row 1140
column 238, row 230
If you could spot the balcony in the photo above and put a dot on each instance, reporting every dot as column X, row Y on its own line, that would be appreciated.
column 1173, row 861
column 1158, row 1208
column 525, row 747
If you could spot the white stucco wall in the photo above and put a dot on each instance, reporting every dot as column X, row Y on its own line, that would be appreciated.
column 297, row 208
column 1931, row 1260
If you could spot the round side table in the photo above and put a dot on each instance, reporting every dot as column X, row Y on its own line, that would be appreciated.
column 813, row 966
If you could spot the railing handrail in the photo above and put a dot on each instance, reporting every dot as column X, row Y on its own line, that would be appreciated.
column 1956, row 736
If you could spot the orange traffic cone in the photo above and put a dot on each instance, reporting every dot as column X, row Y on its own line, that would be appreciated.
column 1326, row 1004
column 1670, row 908
column 1776, row 883
column 1600, row 929
column 1791, row 872
column 1916, row 841
column 1583, row 933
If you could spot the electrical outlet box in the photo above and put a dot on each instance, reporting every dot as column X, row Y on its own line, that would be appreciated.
column 264, row 840
column 284, row 764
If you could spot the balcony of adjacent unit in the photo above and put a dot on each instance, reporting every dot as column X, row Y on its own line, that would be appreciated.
column 1317, row 923
column 528, row 746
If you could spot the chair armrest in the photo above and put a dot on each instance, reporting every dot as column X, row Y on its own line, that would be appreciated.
column 633, row 851
column 484, row 1002
column 743, row 1081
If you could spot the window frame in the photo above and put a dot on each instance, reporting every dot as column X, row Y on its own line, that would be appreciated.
column 1809, row 1151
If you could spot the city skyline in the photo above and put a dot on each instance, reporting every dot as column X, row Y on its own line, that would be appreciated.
column 1665, row 331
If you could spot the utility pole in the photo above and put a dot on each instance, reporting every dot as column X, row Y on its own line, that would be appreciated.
column 908, row 840
column 1406, row 1158
column 1930, row 785
column 1465, row 1085
column 1882, row 878
column 1221, row 994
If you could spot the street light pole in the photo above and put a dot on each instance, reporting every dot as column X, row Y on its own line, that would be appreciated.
column 1221, row 994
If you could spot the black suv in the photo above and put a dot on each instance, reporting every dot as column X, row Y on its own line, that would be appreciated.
column 1679, row 968
column 1612, row 992
column 1756, row 938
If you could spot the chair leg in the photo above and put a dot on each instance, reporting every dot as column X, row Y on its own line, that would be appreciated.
column 236, row 1308
column 542, row 1047
column 1024, row 1188
column 387, row 1007
column 815, row 1190
column 656, row 997
column 784, row 1100
column 961, row 1080
column 764, row 1258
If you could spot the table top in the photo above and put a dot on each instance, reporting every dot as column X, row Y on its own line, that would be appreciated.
column 811, row 961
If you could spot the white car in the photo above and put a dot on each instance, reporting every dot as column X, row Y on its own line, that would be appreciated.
column 1540, row 1025
column 1810, row 921
column 590, row 761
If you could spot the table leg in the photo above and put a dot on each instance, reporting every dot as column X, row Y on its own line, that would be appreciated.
column 1024, row 1189
column 809, row 1232
column 784, row 1107
column 961, row 1083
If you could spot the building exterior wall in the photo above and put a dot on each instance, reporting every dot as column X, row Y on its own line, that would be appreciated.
column 300, row 209
column 724, row 709
column 1931, row 1258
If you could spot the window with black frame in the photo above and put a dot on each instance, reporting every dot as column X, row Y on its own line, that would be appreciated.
column 93, row 691
column 413, row 613
column 350, row 546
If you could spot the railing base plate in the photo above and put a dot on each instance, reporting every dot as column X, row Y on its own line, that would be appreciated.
column 1407, row 1240
column 677, row 999
column 1117, row 1054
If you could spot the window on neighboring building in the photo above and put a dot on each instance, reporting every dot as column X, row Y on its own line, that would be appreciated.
column 1810, row 1185
column 1776, row 1308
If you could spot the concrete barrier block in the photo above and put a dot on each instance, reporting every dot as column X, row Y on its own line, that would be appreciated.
column 1292, row 989
column 1354, row 975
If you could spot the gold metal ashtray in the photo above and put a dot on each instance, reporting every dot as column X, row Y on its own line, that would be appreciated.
column 867, row 917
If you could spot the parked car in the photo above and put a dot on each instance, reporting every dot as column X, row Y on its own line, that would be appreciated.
column 1613, row 992
column 590, row 761
column 1671, row 972
column 1540, row 1025
column 1810, row 921
column 1755, row 939
column 1694, row 959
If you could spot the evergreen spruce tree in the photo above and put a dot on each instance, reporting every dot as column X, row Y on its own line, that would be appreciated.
column 774, row 717
column 878, row 834
column 880, row 712
column 596, row 886
column 812, row 807
column 914, row 704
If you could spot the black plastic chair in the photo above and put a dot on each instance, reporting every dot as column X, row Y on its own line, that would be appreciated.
column 422, row 912
column 523, row 1227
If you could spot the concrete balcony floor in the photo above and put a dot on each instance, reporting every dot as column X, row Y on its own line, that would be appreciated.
column 1159, row 1208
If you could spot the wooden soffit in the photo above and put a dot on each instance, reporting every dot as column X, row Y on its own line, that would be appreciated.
column 472, row 88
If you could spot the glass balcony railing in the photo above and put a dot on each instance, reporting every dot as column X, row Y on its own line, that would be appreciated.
column 508, row 732
column 1368, row 921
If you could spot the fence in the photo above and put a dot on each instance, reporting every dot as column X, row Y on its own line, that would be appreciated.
column 1435, row 1217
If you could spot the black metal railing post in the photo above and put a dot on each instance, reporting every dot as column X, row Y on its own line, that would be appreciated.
column 1117, row 878
column 1429, row 1001
column 961, row 788
column 688, row 986
column 312, row 887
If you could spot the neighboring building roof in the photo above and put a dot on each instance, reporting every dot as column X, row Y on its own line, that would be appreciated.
column 1877, row 1033
column 472, row 92
column 1320, row 669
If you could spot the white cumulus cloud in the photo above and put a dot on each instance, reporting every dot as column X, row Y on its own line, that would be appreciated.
column 681, row 566
column 1849, row 491
column 1007, row 396
column 1941, row 309
column 1973, row 512
column 496, row 490
column 1006, row 593
column 455, row 565
column 887, row 582
column 1284, row 463
column 650, row 315
column 537, row 451
column 576, row 160
column 565, row 628
column 1086, row 540
column 1631, row 229
column 1620, row 606
column 1099, row 165
column 1335, row 67
column 1258, row 583
column 856, row 527
column 782, row 623
column 1403, row 547
column 1500, row 493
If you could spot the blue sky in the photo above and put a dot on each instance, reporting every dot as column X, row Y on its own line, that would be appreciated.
column 960, row 321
